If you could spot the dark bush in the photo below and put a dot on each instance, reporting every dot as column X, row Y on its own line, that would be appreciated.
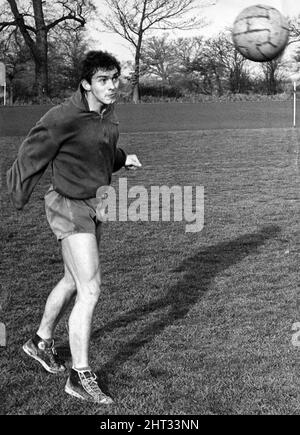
column 164, row 91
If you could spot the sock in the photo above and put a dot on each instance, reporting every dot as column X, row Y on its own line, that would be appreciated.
column 84, row 369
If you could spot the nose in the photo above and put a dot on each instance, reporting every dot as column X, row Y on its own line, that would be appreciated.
column 112, row 85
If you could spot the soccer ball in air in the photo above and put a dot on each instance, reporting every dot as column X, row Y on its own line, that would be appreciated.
column 260, row 33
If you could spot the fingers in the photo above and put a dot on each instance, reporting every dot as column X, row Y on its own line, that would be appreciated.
column 132, row 162
column 135, row 162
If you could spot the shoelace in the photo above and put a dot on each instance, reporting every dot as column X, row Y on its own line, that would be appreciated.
column 89, row 382
column 53, row 350
column 52, row 353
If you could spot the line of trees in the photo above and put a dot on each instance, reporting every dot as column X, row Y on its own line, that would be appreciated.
column 35, row 21
column 42, row 42
column 209, row 66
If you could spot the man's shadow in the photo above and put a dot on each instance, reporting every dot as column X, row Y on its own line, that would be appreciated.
column 198, row 273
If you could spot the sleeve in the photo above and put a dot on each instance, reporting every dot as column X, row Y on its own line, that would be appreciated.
column 34, row 155
column 120, row 160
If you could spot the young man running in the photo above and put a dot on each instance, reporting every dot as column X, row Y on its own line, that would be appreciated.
column 79, row 138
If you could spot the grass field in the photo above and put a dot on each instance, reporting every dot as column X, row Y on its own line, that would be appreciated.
column 187, row 323
column 17, row 120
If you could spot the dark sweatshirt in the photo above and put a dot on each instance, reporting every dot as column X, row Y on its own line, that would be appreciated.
column 80, row 144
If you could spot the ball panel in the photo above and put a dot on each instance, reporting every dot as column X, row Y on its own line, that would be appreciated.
column 260, row 33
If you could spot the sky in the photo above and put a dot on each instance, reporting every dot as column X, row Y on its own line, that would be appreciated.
column 219, row 15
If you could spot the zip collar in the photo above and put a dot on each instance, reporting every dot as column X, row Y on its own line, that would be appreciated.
column 79, row 100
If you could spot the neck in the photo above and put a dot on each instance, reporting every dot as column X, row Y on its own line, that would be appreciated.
column 94, row 105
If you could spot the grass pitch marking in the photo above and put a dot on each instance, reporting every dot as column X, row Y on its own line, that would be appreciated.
column 2, row 335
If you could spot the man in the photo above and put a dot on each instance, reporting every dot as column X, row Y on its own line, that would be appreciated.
column 79, row 138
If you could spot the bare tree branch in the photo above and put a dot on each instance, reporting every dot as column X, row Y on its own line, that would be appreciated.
column 5, row 24
column 19, row 18
column 132, row 19
column 81, row 21
column 35, row 19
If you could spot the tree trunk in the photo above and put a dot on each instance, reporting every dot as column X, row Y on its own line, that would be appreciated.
column 272, row 81
column 219, row 83
column 41, row 66
column 41, row 80
column 10, row 93
column 136, row 87
column 235, row 82
column 136, row 97
column 136, row 80
column 41, row 52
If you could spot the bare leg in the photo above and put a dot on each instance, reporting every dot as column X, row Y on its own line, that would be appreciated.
column 56, row 304
column 81, row 256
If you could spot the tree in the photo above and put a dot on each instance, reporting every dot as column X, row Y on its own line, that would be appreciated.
column 208, row 71
column 197, row 64
column 158, row 58
column 132, row 19
column 294, row 25
column 35, row 19
column 272, row 76
column 17, row 59
column 187, row 50
column 233, row 63
column 65, row 54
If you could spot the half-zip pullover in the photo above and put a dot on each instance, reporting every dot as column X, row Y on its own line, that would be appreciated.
column 81, row 146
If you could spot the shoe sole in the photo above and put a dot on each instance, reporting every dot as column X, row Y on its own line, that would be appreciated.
column 46, row 367
column 73, row 393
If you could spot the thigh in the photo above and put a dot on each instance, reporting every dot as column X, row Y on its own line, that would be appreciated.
column 68, row 277
column 68, row 216
column 81, row 258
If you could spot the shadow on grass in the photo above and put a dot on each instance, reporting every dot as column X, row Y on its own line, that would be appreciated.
column 198, row 272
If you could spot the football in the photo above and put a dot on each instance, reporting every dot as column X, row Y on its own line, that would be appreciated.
column 260, row 33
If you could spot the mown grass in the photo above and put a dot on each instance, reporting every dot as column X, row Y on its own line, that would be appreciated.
column 187, row 323
column 18, row 120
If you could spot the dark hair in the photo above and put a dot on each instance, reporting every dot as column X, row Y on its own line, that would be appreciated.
column 95, row 60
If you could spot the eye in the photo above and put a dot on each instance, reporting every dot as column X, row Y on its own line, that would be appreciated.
column 104, row 80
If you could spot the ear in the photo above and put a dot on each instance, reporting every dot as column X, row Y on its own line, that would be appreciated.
column 85, row 84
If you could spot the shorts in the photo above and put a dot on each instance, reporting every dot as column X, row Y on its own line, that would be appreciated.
column 71, row 216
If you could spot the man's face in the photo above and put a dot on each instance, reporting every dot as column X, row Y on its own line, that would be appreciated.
column 104, row 86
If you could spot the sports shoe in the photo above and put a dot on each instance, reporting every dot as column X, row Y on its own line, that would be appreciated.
column 84, row 385
column 45, row 354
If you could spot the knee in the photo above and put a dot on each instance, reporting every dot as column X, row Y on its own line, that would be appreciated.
column 89, row 291
column 69, row 283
